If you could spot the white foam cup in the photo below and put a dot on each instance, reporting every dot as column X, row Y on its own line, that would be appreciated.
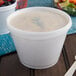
column 39, row 50
column 5, row 11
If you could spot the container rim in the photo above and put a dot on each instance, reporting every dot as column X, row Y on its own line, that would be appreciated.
column 60, row 30
column 5, row 8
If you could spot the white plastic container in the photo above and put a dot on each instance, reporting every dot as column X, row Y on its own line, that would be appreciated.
column 39, row 50
column 4, row 13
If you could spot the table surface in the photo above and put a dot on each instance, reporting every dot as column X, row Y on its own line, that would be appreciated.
column 11, row 66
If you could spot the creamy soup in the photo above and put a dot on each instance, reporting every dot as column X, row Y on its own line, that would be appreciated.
column 38, row 21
